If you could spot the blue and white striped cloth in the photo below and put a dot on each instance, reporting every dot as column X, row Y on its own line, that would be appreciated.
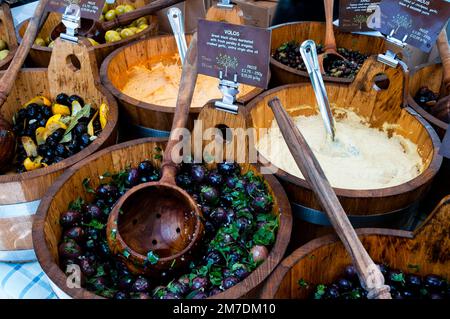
column 24, row 281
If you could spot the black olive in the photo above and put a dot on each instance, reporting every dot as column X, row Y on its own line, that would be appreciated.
column 80, row 128
column 261, row 204
column 241, row 272
column 199, row 282
column 87, row 267
column 218, row 216
column 209, row 195
column 413, row 281
column 213, row 258
column 92, row 212
column 121, row 295
column 145, row 168
column 70, row 218
column 170, row 296
column 75, row 233
column 69, row 249
column 90, row 244
column 215, row 178
column 75, row 98
column 140, row 285
column 243, row 224
column 47, row 112
column 41, row 123
column 60, row 150
column 32, row 110
column 229, row 282
column 433, row 282
column 133, row 177
column 407, row 294
column 21, row 115
column 63, row 99
column 215, row 291
column 103, row 249
column 234, row 256
column 49, row 153
column 107, row 192
column 179, row 288
column 331, row 293
column 198, row 173
column 344, row 284
column 231, row 215
column 210, row 229
column 350, row 273
column 252, row 189
column 85, row 139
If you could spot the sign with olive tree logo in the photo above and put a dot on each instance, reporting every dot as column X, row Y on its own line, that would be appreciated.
column 415, row 22
column 354, row 15
column 89, row 9
column 238, row 52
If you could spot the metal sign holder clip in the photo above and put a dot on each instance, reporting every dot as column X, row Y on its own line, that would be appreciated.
column 225, row 4
column 390, row 58
column 71, row 19
column 229, row 90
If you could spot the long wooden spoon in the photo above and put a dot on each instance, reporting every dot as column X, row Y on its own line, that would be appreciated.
column 442, row 108
column 330, row 48
column 370, row 276
column 97, row 30
column 159, row 218
column 7, row 138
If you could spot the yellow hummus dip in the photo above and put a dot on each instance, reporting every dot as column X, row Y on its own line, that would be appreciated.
column 360, row 158
column 158, row 84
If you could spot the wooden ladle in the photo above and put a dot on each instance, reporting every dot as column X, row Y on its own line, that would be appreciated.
column 96, row 30
column 7, row 138
column 159, row 218
column 442, row 108
column 330, row 48
column 370, row 276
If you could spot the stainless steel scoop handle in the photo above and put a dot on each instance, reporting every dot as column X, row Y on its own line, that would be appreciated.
column 177, row 24
column 309, row 55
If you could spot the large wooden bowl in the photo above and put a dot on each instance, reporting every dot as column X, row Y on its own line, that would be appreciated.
column 367, row 208
column 8, row 34
column 40, row 56
column 322, row 260
column 147, row 119
column 429, row 75
column 20, row 193
column 47, row 231
column 301, row 31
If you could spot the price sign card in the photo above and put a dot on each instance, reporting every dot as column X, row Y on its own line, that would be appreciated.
column 445, row 146
column 416, row 22
column 235, row 50
column 89, row 9
column 354, row 15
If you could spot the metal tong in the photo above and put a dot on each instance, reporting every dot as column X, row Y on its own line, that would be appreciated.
column 177, row 24
column 309, row 55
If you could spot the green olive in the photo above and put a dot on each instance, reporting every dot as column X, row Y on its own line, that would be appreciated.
column 129, row 7
column 102, row 18
column 3, row 54
column 120, row 9
column 40, row 42
column 142, row 20
column 105, row 8
column 142, row 27
column 110, row 15
column 51, row 44
column 93, row 42
column 112, row 36
column 126, row 33
column 3, row 45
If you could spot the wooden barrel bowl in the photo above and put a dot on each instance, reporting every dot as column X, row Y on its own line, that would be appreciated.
column 323, row 260
column 47, row 231
column 20, row 194
column 366, row 208
column 8, row 34
column 146, row 119
column 301, row 31
column 40, row 56
column 429, row 75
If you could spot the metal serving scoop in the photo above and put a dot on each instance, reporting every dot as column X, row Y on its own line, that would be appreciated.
column 177, row 24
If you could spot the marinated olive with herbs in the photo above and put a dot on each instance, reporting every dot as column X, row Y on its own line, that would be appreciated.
column 237, row 240
column 47, row 132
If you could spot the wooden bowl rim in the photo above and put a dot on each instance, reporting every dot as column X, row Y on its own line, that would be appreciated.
column 92, row 148
column 426, row 176
column 122, row 97
column 428, row 116
column 141, row 34
column 56, row 275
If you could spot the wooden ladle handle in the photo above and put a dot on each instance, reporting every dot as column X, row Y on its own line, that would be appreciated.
column 369, row 274
column 9, row 77
column 444, row 52
column 185, row 94
column 330, row 40
column 148, row 9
